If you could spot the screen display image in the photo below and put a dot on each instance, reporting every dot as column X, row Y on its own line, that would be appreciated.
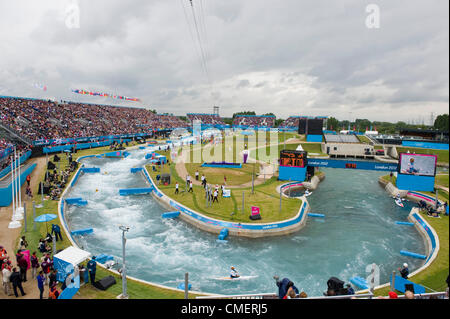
column 315, row 126
column 417, row 164
column 310, row 126
column 293, row 158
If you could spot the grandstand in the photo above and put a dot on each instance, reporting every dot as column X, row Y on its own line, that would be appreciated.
column 209, row 119
column 291, row 122
column 341, row 138
column 34, row 119
column 254, row 120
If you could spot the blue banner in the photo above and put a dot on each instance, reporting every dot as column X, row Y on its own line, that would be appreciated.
column 430, row 145
column 372, row 166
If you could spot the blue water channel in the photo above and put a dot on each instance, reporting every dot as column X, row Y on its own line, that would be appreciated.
column 359, row 229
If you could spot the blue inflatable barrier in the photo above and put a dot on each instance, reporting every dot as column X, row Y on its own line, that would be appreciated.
column 142, row 147
column 81, row 203
column 223, row 234
column 405, row 223
column 91, row 169
column 171, row 215
column 359, row 282
column 136, row 169
column 73, row 200
column 126, row 154
column 181, row 286
column 316, row 215
column 102, row 258
column 150, row 155
column 414, row 255
column 135, row 191
column 81, row 232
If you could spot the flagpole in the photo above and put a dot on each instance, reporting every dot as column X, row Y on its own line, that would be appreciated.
column 12, row 185
column 19, row 186
column 15, row 179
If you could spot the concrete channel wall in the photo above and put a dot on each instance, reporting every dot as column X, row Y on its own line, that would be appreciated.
column 235, row 229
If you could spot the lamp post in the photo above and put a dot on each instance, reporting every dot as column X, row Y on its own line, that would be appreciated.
column 124, row 294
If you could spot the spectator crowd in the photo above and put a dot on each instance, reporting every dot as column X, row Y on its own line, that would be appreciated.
column 210, row 119
column 254, row 121
column 49, row 120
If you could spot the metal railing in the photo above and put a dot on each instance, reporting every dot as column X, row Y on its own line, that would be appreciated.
column 275, row 296
column 432, row 295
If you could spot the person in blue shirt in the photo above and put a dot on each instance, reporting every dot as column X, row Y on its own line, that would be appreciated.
column 57, row 230
column 92, row 268
column 283, row 286
column 41, row 281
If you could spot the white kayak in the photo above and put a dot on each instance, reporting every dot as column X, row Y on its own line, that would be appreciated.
column 399, row 203
column 235, row 279
column 307, row 194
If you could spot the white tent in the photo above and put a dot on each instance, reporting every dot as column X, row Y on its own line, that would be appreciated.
column 66, row 260
column 72, row 255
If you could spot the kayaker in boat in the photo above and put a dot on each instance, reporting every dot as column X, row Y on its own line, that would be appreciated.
column 234, row 273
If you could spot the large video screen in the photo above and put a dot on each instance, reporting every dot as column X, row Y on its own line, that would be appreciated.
column 417, row 164
column 310, row 126
column 293, row 158
column 315, row 126
column 302, row 126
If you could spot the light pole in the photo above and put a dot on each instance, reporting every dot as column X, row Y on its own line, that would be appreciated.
column 124, row 294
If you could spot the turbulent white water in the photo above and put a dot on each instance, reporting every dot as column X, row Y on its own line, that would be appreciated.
column 359, row 229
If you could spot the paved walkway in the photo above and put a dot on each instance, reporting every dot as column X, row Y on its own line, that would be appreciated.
column 9, row 237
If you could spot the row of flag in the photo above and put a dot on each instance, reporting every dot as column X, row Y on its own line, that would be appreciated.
column 113, row 96
column 40, row 86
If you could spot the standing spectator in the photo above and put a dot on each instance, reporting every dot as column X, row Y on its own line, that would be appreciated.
column 34, row 264
column 196, row 175
column 45, row 265
column 215, row 197
column 41, row 282
column 6, row 272
column 28, row 180
column 52, row 278
column 23, row 266
column 28, row 192
column 23, row 243
column 16, row 282
column 3, row 254
column 57, row 231
column 92, row 268
column 404, row 271
column 176, row 188
column 188, row 180
column 203, row 181
column 191, row 190
column 53, row 293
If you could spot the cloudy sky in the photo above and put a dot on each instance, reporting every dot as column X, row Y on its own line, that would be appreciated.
column 289, row 57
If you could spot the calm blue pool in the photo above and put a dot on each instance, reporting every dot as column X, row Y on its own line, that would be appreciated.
column 359, row 229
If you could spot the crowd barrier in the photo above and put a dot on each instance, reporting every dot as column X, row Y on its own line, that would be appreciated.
column 22, row 160
column 6, row 192
column 429, row 145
